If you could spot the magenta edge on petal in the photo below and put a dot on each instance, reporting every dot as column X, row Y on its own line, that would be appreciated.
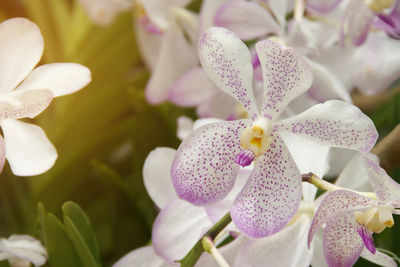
column 366, row 236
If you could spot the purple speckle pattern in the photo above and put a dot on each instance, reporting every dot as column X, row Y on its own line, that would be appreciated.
column 286, row 76
column 336, row 202
column 334, row 123
column 204, row 168
column 272, row 194
column 386, row 189
column 341, row 242
column 227, row 61
column 366, row 236
column 245, row 158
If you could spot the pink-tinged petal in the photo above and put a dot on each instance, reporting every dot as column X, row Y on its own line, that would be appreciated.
column 177, row 228
column 60, row 78
column 341, row 242
column 272, row 194
column 220, row 105
column 144, row 256
column 248, row 20
column 355, row 175
column 23, row 247
column 156, row 176
column 218, row 210
column 24, row 104
column 2, row 153
column 336, row 202
column 386, row 189
column 285, row 248
column 286, row 76
column 28, row 150
column 204, row 170
column 367, row 238
column 21, row 48
column 227, row 62
column 192, row 88
column 378, row 258
column 175, row 51
column 334, row 123
column 207, row 13
column 322, row 6
column 280, row 9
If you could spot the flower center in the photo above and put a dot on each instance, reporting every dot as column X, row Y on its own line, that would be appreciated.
column 378, row 6
column 255, row 139
column 376, row 219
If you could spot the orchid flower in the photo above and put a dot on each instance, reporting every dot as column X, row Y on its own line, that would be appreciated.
column 207, row 162
column 25, row 92
column 103, row 12
column 21, row 250
column 351, row 219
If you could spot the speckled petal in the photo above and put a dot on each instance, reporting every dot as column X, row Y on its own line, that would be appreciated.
column 247, row 19
column 385, row 187
column 204, row 170
column 336, row 202
column 286, row 76
column 378, row 258
column 272, row 194
column 227, row 61
column 334, row 123
column 177, row 228
column 341, row 242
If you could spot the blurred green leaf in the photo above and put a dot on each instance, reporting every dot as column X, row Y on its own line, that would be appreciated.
column 80, row 231
column 59, row 246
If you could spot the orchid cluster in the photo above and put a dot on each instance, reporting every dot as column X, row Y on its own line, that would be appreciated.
column 278, row 162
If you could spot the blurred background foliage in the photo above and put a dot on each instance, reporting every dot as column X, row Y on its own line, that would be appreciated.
column 103, row 134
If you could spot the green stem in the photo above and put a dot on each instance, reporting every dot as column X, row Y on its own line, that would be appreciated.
column 194, row 254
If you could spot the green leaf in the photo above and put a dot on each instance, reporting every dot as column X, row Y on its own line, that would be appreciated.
column 59, row 246
column 80, row 231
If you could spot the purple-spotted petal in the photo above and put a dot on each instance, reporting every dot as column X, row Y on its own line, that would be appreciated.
column 341, row 242
column 227, row 61
column 285, row 248
column 334, row 123
column 204, row 170
column 247, row 19
column 336, row 202
column 367, row 238
column 272, row 194
column 386, row 189
column 286, row 76
column 192, row 88
column 177, row 228
column 378, row 258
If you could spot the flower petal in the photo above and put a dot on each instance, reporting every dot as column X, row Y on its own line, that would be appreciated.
column 272, row 194
column 334, row 123
column 177, row 228
column 24, row 104
column 175, row 51
column 285, row 248
column 28, row 150
column 220, row 105
column 192, row 88
column 204, row 170
column 21, row 48
column 104, row 12
column 286, row 76
column 227, row 62
column 2, row 153
column 60, row 78
column 322, row 6
column 247, row 19
column 336, row 202
column 144, row 256
column 342, row 244
column 157, row 177
column 280, row 9
column 386, row 188
column 24, row 247
column 378, row 258
column 367, row 238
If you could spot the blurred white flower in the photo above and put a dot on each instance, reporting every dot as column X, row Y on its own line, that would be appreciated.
column 103, row 12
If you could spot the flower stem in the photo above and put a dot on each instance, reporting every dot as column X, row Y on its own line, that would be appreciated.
column 194, row 254
column 327, row 186
column 209, row 247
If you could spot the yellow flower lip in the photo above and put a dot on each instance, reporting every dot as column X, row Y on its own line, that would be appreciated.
column 376, row 219
column 257, row 137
